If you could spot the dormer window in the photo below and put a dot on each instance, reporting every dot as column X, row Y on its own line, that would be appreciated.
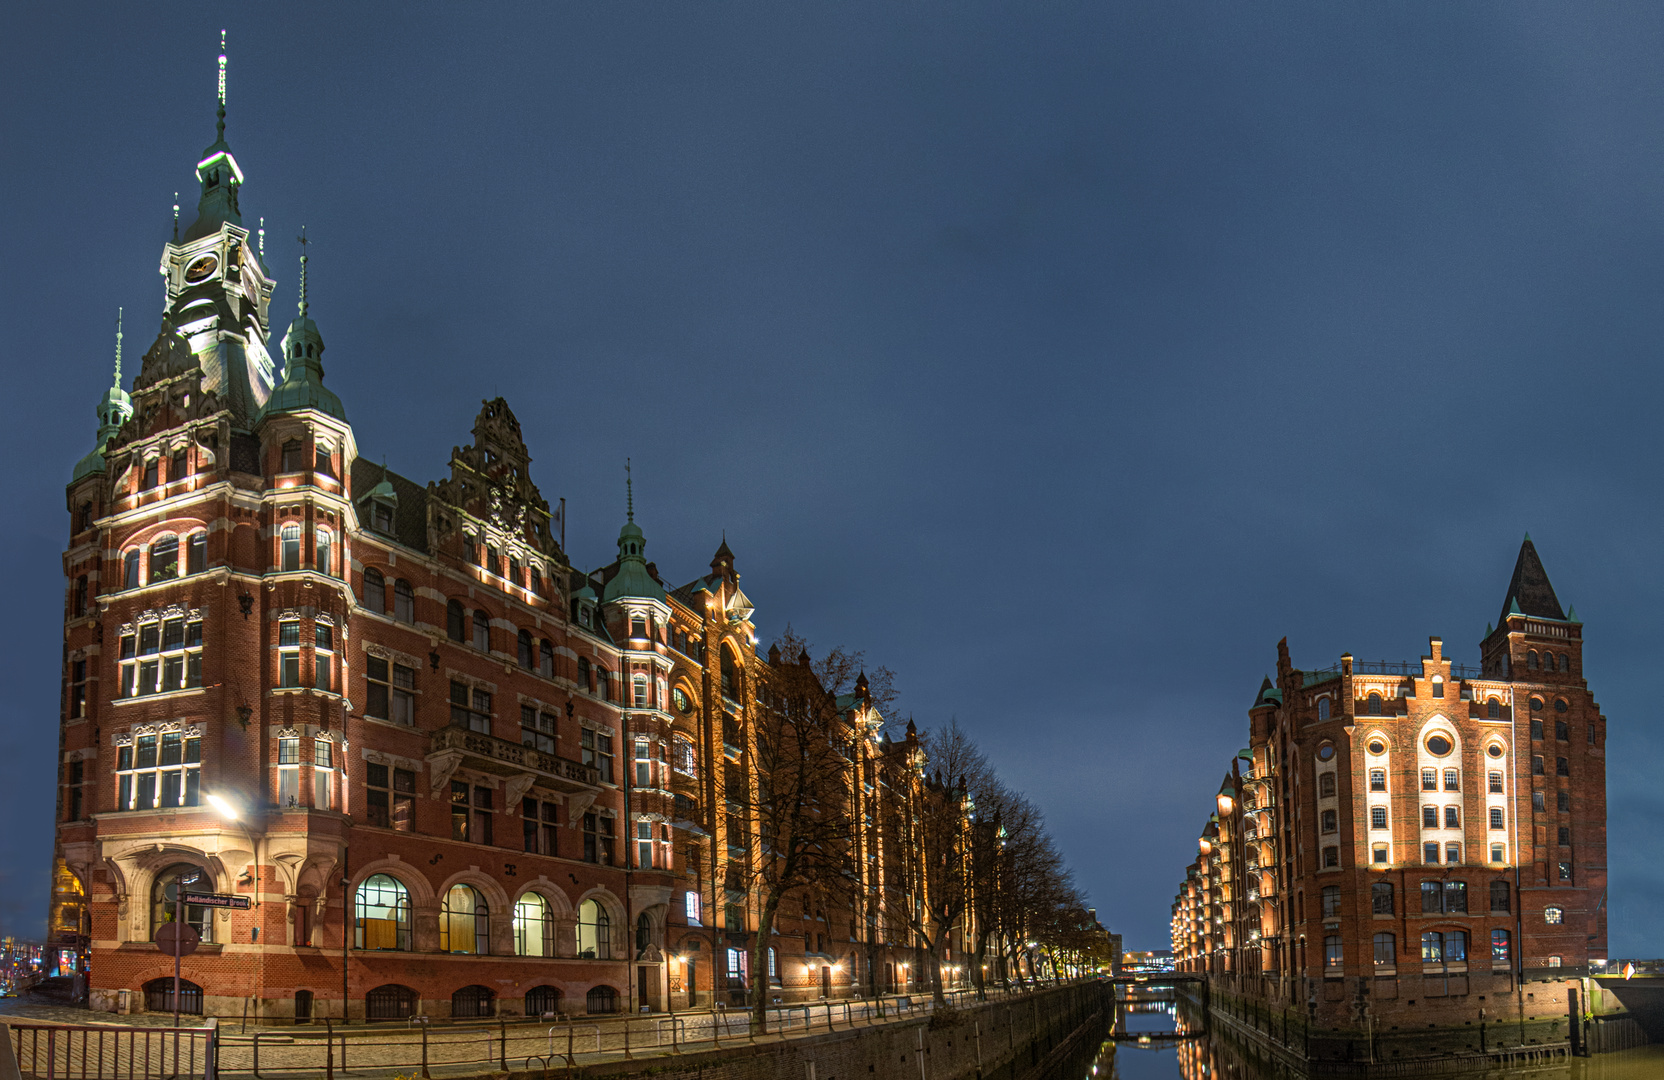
column 381, row 517
column 292, row 459
column 584, row 617
column 638, row 626
column 321, row 461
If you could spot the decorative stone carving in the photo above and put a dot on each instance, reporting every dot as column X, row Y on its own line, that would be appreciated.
column 515, row 788
column 576, row 806
column 444, row 765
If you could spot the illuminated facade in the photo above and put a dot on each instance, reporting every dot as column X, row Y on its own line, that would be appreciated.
column 1415, row 843
column 451, row 773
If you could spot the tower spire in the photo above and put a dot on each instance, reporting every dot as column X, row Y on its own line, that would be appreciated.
column 221, row 114
column 303, row 242
column 176, row 217
column 629, row 493
column 117, row 383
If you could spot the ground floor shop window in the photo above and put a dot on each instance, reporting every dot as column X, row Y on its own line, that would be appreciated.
column 158, row 996
column 601, row 999
column 383, row 913
column 542, row 1001
column 472, row 1001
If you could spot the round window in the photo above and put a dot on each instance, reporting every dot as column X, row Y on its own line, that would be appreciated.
column 684, row 703
column 1536, row 704
column 1560, row 705
column 1325, row 752
column 1438, row 745
column 1376, row 746
column 1495, row 749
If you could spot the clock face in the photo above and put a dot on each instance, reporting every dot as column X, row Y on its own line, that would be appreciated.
column 201, row 268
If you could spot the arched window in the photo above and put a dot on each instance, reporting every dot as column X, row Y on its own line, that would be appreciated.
column 594, row 931
column 644, row 931
column 1531, row 659
column 546, row 659
column 1565, row 662
column 320, row 460
column 601, row 999
column 383, row 910
column 290, row 547
column 456, row 621
column 164, row 559
column 158, row 996
column 404, row 601
column 375, row 591
column 583, row 673
column 525, row 646
column 130, row 569
column 642, row 700
column 197, row 560
column 730, row 676
column 1438, row 686
column 324, row 551
column 543, row 1001
column 603, row 683
column 465, row 922
column 684, row 757
column 534, row 928
column 1323, row 708
column 472, row 1001
column 164, row 900
column 482, row 631
column 390, row 1002
column 1493, row 709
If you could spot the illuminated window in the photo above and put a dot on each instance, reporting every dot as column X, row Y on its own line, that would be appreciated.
column 690, row 907
column 594, row 931
column 471, row 815
column 323, row 656
column 534, row 926
column 161, row 656
column 1553, row 916
column 164, row 559
column 324, row 551
column 464, row 922
column 288, row 772
column 158, row 771
column 1500, row 948
column 323, row 757
column 383, row 914
column 289, row 547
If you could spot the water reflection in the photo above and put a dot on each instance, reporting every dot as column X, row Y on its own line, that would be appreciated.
column 1157, row 1036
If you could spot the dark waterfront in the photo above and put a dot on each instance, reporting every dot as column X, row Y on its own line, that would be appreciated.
column 1166, row 1040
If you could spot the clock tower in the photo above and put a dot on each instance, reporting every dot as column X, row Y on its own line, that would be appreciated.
column 217, row 287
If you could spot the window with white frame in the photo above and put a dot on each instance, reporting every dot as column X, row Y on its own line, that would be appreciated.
column 644, row 763
column 690, row 907
column 323, row 551
column 289, row 547
column 288, row 770
column 288, row 653
column 323, row 773
column 158, row 770
column 638, row 685
column 160, row 655
column 685, row 759
column 323, row 655
column 644, row 845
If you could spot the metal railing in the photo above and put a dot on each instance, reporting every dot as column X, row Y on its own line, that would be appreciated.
column 97, row 1051
column 1406, row 668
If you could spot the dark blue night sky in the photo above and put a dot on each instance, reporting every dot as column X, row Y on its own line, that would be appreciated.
column 1063, row 357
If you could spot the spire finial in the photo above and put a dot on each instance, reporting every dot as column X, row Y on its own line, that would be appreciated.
column 118, row 349
column 176, row 217
column 303, row 242
column 221, row 113
column 262, row 239
column 629, row 492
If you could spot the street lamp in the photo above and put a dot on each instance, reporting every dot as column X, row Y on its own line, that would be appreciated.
column 228, row 810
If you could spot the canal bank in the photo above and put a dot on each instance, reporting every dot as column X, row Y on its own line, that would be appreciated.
column 1283, row 1038
column 1019, row 1039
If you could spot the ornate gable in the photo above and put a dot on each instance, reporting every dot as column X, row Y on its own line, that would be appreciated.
column 490, row 492
column 168, row 392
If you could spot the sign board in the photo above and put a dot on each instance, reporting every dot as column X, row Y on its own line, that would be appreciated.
column 177, row 939
column 217, row 900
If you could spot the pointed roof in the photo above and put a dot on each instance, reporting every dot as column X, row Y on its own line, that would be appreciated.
column 303, row 370
column 219, row 174
column 1529, row 591
column 633, row 578
column 114, row 409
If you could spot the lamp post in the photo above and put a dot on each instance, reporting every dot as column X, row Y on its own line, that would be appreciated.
column 228, row 811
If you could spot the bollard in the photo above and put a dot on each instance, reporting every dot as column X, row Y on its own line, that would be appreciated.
column 329, row 1051
column 502, row 1045
column 425, row 1072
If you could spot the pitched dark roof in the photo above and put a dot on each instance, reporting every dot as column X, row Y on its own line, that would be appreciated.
column 410, row 516
column 1529, row 593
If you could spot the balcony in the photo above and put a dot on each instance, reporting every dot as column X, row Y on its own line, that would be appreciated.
column 491, row 754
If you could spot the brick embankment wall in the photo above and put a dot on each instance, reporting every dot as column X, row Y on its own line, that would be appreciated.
column 1006, row 1040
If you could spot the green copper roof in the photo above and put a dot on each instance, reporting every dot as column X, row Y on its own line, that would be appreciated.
column 303, row 373
column 632, row 578
column 114, row 409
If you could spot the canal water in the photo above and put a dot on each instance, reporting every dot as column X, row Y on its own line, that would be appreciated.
column 1161, row 1038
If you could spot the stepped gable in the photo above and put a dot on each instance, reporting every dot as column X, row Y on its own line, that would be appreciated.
column 490, row 483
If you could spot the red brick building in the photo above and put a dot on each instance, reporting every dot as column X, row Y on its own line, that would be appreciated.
column 1419, row 843
column 452, row 773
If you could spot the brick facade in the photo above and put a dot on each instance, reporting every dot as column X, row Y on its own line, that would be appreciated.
column 1413, row 843
column 462, row 772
